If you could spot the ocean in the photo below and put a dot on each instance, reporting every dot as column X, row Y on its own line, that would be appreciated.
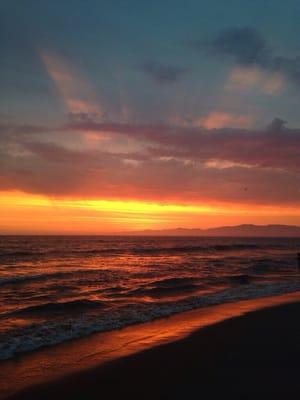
column 58, row 288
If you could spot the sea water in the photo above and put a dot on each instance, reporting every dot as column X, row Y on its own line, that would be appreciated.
column 58, row 288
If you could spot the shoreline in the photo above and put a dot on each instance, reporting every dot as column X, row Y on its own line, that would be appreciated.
column 52, row 367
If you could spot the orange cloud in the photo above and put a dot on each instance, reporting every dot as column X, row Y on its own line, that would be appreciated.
column 223, row 164
column 242, row 78
column 217, row 120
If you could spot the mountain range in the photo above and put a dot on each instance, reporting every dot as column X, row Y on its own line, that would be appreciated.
column 245, row 230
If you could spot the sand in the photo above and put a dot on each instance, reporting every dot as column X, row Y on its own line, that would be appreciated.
column 253, row 356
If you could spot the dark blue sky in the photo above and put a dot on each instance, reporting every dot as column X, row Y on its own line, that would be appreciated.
column 128, row 49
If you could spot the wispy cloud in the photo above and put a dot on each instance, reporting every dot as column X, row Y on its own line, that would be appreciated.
column 76, row 92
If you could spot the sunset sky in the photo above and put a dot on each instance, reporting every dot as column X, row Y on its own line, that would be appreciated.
column 130, row 114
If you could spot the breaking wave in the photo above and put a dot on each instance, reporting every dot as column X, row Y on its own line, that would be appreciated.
column 51, row 333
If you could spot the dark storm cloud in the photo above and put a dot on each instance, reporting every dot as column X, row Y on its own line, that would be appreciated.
column 248, row 47
column 162, row 73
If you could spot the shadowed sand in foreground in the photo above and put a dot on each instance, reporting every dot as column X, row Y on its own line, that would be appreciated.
column 253, row 356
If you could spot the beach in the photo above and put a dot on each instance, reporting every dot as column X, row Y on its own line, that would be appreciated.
column 247, row 354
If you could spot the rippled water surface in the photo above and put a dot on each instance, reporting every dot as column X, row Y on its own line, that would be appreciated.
column 57, row 288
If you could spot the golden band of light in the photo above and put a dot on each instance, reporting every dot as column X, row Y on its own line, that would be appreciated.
column 43, row 213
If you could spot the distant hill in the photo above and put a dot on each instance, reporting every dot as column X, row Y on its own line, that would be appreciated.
column 246, row 230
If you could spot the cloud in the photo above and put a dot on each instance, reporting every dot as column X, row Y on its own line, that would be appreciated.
column 216, row 120
column 61, row 172
column 163, row 73
column 246, row 45
column 277, row 125
column 262, row 147
column 209, row 164
column 247, row 78
column 248, row 48
column 276, row 146
column 76, row 92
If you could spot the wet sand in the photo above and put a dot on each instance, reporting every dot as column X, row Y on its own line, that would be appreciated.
column 256, row 355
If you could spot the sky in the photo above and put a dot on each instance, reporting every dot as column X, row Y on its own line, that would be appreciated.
column 126, row 115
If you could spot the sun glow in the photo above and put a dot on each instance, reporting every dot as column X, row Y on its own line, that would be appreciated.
column 27, row 213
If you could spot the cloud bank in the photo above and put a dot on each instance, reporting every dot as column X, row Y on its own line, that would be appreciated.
column 156, row 162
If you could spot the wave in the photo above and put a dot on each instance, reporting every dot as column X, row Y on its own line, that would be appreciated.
column 32, row 277
column 48, row 334
column 189, row 249
column 158, row 292
column 241, row 279
column 133, row 250
column 59, row 307
column 20, row 253
column 167, row 287
column 157, row 288
column 19, row 279
column 173, row 282
column 238, row 246
column 267, row 266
